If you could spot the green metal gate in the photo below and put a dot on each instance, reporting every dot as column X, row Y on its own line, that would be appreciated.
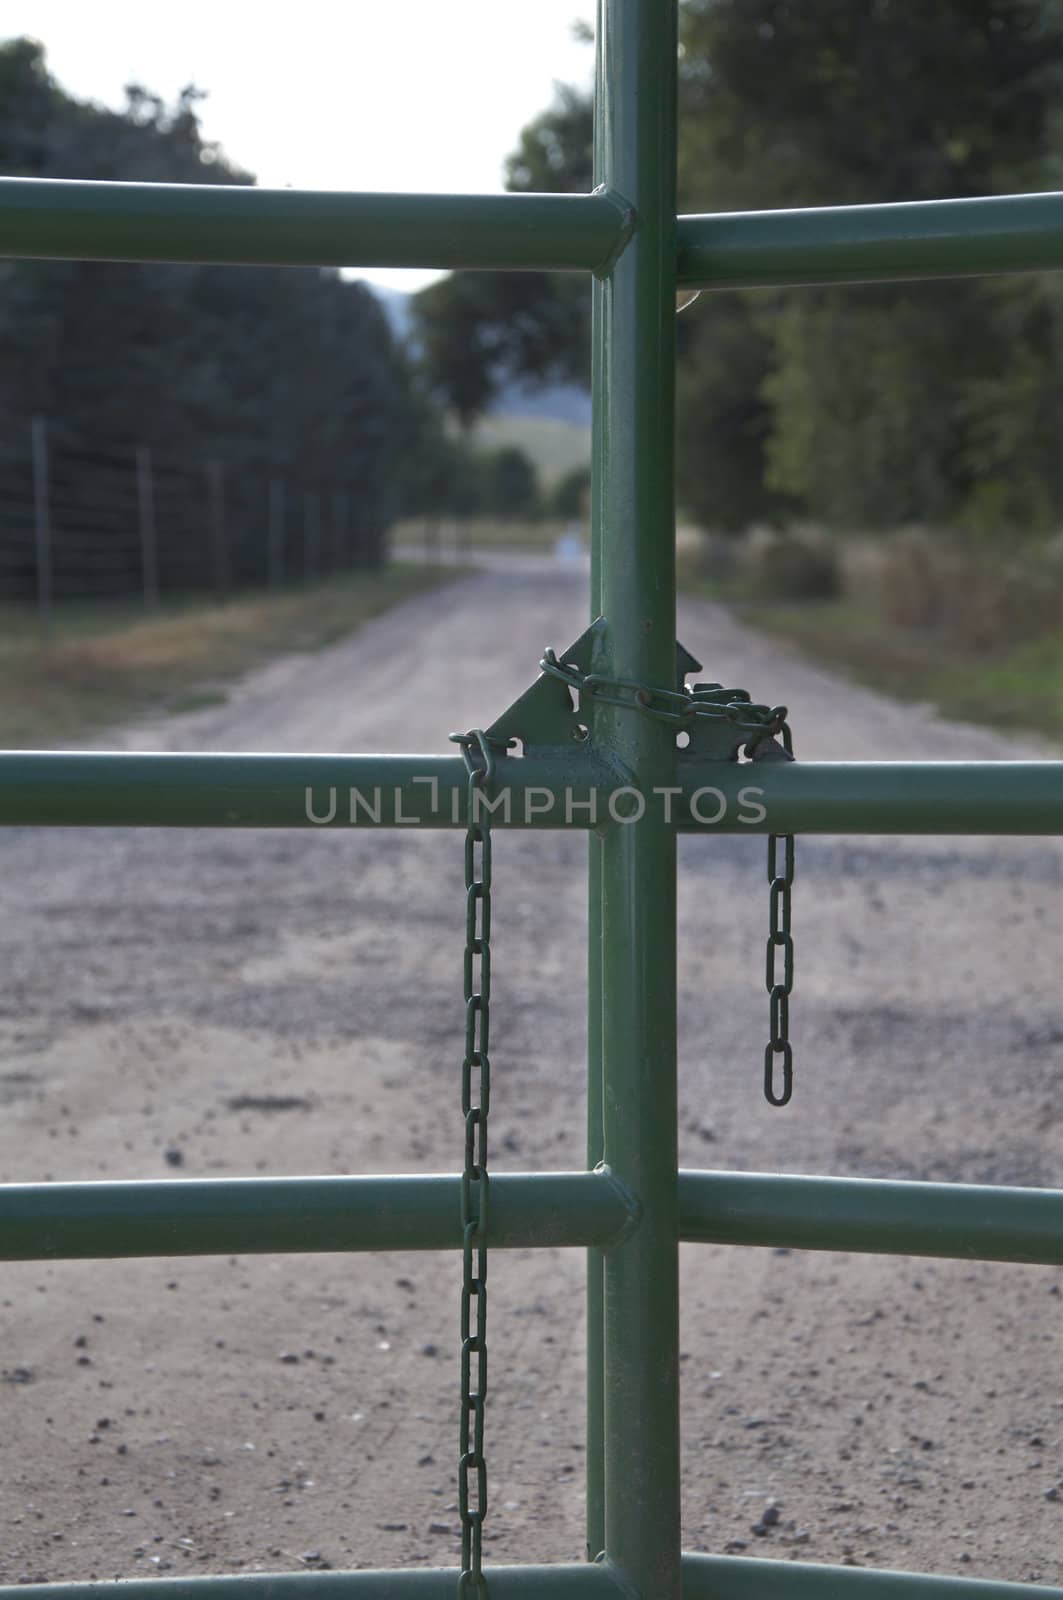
column 609, row 768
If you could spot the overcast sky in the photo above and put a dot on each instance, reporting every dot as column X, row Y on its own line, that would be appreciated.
column 408, row 95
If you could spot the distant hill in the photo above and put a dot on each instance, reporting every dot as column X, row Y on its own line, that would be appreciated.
column 560, row 402
column 555, row 445
column 557, row 402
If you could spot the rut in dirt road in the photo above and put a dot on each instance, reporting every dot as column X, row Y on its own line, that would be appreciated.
column 283, row 1003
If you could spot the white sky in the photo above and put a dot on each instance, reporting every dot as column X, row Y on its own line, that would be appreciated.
column 413, row 95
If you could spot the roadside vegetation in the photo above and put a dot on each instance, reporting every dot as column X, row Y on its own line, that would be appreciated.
column 102, row 664
column 974, row 631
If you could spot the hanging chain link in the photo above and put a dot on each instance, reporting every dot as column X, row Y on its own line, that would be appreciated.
column 780, row 938
column 475, row 1105
column 765, row 724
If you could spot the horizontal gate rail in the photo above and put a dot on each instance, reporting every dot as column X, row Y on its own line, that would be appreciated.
column 58, row 218
column 703, row 1578
column 962, row 1221
column 226, row 1216
column 736, row 1578
column 871, row 244
column 248, row 1216
column 561, row 1582
column 90, row 789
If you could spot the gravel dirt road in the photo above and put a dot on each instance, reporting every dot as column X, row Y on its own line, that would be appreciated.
column 177, row 1004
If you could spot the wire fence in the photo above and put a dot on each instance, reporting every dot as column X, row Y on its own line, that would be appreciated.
column 79, row 521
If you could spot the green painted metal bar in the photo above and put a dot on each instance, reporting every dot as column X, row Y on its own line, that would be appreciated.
column 633, row 533
column 595, row 1421
column 871, row 244
column 55, row 218
column 594, row 1474
column 736, row 1578
column 928, row 797
column 960, row 1220
column 248, row 1216
column 58, row 218
column 90, row 789
column 561, row 1582
column 703, row 1578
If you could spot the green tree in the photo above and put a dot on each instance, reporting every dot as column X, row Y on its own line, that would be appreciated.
column 273, row 371
column 476, row 330
column 868, row 392
column 866, row 406
column 510, row 485
column 570, row 497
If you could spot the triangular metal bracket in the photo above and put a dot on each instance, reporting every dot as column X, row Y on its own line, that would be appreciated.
column 544, row 717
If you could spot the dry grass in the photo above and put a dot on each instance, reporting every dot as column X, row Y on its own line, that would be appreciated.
column 764, row 564
column 105, row 663
column 976, row 630
column 978, row 598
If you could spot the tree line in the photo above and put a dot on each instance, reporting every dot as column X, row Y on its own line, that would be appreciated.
column 251, row 376
column 871, row 407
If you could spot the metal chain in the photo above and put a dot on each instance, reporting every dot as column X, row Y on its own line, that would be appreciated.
column 677, row 706
column 780, row 938
column 475, row 1105
column 764, row 723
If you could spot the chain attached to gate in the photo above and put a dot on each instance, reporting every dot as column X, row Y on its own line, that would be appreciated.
column 680, row 707
column 475, row 1105
column 779, row 990
column 780, row 938
column 765, row 724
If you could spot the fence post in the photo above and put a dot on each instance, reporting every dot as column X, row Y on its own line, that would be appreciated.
column 345, row 529
column 42, row 523
column 219, row 554
column 311, row 536
column 275, row 535
column 149, row 564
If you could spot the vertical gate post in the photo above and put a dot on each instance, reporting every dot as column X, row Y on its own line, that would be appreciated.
column 595, row 1137
column 633, row 532
column 595, row 1258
